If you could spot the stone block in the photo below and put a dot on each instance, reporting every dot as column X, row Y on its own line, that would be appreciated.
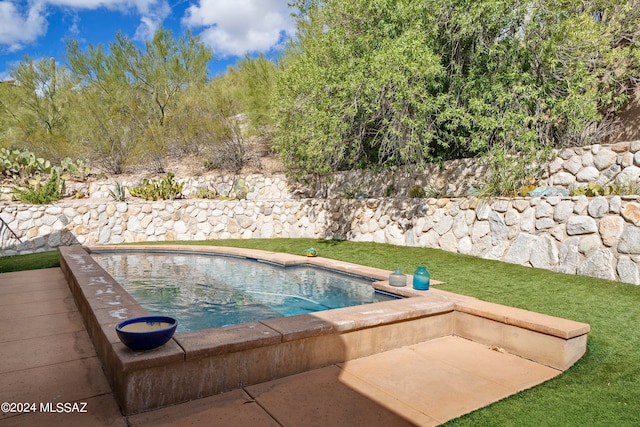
column 544, row 210
column 628, row 270
column 581, row 204
column 610, row 228
column 563, row 211
column 528, row 220
column 564, row 179
column 588, row 174
column 626, row 159
column 573, row 165
column 598, row 207
column 544, row 253
column 545, row 223
column 630, row 174
column 589, row 244
column 599, row 265
column 631, row 213
column 512, row 217
column 604, row 159
column 581, row 225
column 587, row 156
column 615, row 204
column 569, row 256
column 620, row 147
column 629, row 242
column 566, row 153
column 498, row 228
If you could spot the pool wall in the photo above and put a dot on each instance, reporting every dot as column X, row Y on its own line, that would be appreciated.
column 212, row 361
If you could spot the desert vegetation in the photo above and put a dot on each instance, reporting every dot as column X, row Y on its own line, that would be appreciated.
column 363, row 85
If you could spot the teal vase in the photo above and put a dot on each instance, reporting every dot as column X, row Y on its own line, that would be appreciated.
column 421, row 278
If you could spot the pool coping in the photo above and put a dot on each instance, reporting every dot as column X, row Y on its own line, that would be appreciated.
column 190, row 365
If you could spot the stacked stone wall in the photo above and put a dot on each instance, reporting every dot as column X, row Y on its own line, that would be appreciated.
column 571, row 167
column 597, row 237
column 253, row 187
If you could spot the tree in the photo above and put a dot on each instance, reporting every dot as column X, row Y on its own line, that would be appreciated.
column 391, row 82
column 362, row 90
column 255, row 78
column 131, row 94
column 34, row 107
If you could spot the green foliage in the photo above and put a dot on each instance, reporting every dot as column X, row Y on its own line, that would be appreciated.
column 251, row 83
column 590, row 190
column 417, row 192
column 34, row 112
column 69, row 168
column 204, row 193
column 241, row 189
column 238, row 107
column 129, row 95
column 593, row 189
column 407, row 82
column 511, row 171
column 624, row 188
column 526, row 189
column 23, row 166
column 118, row 192
column 38, row 194
column 434, row 193
column 390, row 190
column 362, row 93
column 165, row 189
column 35, row 261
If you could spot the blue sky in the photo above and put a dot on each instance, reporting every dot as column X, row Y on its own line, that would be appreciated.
column 231, row 28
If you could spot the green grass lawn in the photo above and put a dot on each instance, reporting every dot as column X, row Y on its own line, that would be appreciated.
column 602, row 389
column 29, row 262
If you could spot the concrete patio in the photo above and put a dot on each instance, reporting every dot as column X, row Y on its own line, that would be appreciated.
column 47, row 357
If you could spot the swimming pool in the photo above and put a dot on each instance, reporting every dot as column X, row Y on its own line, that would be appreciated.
column 205, row 291
column 212, row 361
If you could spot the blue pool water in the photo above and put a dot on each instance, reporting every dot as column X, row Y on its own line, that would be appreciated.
column 206, row 291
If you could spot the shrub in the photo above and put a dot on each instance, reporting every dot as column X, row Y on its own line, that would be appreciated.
column 389, row 190
column 625, row 188
column 204, row 193
column 38, row 193
column 417, row 192
column 619, row 187
column 22, row 164
column 118, row 193
column 165, row 189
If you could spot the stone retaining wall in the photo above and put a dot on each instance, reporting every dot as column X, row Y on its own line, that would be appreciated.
column 597, row 237
column 601, row 164
column 254, row 187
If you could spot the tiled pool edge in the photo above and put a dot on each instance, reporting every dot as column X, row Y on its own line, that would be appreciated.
column 189, row 366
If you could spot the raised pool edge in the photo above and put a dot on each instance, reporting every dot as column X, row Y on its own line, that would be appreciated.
column 211, row 361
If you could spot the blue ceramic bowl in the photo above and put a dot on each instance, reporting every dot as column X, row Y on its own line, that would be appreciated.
column 146, row 332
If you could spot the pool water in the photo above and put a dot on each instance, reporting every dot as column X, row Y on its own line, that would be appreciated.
column 207, row 291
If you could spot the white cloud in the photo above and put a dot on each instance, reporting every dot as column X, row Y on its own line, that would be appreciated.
column 237, row 27
column 152, row 12
column 21, row 26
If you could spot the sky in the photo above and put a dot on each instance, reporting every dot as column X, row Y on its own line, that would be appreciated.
column 231, row 28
